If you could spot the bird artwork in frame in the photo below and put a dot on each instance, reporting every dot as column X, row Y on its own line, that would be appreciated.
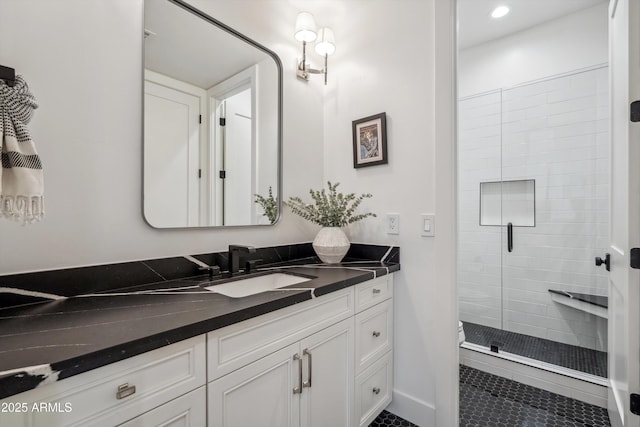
column 370, row 141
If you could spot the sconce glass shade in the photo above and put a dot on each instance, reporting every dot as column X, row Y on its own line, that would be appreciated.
column 305, row 27
column 326, row 43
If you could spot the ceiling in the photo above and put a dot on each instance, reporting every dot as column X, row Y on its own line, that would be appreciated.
column 191, row 49
column 475, row 24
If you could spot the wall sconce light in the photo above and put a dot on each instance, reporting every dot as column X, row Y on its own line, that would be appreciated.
column 325, row 44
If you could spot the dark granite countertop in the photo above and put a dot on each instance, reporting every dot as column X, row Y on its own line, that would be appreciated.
column 48, row 341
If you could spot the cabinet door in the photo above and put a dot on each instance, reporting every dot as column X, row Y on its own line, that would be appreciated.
column 189, row 410
column 328, row 360
column 259, row 394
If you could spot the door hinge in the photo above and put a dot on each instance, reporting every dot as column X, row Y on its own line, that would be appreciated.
column 634, row 257
column 223, row 121
column 634, row 403
column 222, row 174
column 635, row 111
column 199, row 173
column 200, row 119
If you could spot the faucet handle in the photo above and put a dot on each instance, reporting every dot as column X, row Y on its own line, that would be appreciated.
column 242, row 248
column 213, row 270
column 251, row 265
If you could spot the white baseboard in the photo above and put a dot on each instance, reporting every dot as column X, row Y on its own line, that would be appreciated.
column 418, row 412
column 590, row 392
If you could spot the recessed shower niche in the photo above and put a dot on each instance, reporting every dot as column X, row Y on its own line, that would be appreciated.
column 504, row 202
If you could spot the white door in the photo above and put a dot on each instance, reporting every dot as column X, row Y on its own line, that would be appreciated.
column 171, row 141
column 238, row 161
column 259, row 394
column 327, row 394
column 624, row 300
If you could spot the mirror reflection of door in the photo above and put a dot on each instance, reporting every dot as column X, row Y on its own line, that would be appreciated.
column 235, row 140
column 172, row 135
column 238, row 156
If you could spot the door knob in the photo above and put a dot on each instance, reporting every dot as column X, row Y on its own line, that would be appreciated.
column 606, row 261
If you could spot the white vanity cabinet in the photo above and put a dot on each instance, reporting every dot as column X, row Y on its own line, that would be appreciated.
column 308, row 383
column 293, row 367
column 374, row 349
column 116, row 393
column 324, row 362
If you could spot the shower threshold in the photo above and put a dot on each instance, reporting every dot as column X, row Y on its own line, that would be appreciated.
column 552, row 353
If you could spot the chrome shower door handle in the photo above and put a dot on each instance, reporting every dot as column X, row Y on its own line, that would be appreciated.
column 510, row 237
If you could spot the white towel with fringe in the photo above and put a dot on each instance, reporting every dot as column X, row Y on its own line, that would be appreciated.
column 21, row 179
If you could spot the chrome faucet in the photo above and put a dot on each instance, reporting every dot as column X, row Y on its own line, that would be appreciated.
column 234, row 256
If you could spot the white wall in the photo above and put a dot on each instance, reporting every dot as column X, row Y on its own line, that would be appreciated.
column 568, row 43
column 83, row 61
column 84, row 64
column 374, row 71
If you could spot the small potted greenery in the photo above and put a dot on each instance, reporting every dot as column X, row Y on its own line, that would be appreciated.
column 331, row 210
column 269, row 206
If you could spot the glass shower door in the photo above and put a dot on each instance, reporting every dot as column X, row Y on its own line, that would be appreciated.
column 554, row 163
column 479, row 231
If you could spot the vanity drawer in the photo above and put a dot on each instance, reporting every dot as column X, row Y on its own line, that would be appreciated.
column 189, row 410
column 374, row 390
column 237, row 345
column 115, row 393
column 374, row 334
column 373, row 291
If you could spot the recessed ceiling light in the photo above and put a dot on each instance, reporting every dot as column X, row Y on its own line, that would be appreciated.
column 499, row 12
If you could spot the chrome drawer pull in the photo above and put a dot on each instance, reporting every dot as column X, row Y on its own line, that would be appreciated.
column 125, row 390
column 376, row 390
column 308, row 382
column 376, row 291
column 376, row 334
column 298, row 389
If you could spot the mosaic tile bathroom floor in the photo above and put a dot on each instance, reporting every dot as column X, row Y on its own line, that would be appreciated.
column 387, row 419
column 490, row 401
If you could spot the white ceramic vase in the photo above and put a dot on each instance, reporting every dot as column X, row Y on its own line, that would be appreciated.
column 331, row 244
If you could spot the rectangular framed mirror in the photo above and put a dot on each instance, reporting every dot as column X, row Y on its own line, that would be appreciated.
column 212, row 122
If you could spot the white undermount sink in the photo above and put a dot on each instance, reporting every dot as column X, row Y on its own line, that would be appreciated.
column 255, row 285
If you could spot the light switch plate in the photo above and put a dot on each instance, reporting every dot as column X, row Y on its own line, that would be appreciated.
column 428, row 225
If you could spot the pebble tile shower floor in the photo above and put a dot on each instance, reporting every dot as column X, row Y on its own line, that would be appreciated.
column 490, row 401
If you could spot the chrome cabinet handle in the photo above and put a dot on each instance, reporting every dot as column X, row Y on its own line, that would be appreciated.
column 298, row 390
column 310, row 369
column 376, row 334
column 376, row 290
column 125, row 390
column 376, row 390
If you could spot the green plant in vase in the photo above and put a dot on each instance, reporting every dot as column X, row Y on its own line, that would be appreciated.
column 331, row 210
column 269, row 205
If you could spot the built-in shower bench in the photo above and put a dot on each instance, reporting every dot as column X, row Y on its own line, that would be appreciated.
column 594, row 304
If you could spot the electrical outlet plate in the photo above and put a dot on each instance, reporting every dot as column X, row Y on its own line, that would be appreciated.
column 393, row 223
column 428, row 223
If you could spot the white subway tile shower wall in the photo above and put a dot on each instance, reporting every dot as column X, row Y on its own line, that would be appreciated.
column 556, row 132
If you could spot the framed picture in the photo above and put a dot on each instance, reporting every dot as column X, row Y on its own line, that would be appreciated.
column 370, row 141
